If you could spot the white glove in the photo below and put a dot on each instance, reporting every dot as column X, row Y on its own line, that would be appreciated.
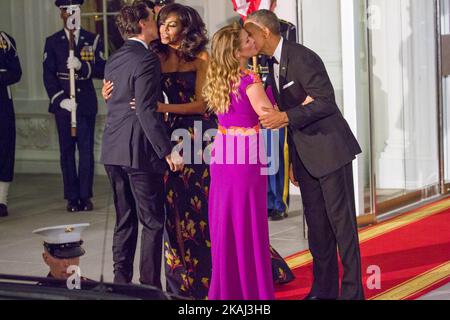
column 73, row 63
column 68, row 104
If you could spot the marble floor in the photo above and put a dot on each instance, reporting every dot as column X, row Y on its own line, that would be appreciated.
column 36, row 201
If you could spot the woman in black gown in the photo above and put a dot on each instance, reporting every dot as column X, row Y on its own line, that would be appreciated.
column 184, row 61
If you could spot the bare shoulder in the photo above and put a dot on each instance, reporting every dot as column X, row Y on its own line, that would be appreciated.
column 203, row 57
column 202, row 60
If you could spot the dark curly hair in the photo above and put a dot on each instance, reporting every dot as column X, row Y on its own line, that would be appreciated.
column 193, row 34
column 128, row 19
column 149, row 3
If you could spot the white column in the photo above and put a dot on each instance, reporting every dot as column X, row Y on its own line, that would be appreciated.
column 5, row 16
column 287, row 10
column 352, row 93
column 404, row 86
column 321, row 30
column 387, row 87
column 421, row 166
column 37, row 145
column 216, row 14
column 39, row 19
column 445, row 23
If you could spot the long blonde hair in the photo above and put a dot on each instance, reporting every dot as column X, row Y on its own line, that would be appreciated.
column 223, row 75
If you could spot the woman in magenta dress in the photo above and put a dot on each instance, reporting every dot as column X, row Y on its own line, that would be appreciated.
column 241, row 263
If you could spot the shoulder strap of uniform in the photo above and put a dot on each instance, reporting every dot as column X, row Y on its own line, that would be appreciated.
column 96, row 41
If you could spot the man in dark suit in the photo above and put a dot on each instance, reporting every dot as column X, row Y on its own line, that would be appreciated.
column 136, row 147
column 89, row 63
column 322, row 150
column 10, row 73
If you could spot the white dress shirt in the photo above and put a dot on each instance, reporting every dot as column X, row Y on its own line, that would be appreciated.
column 276, row 66
column 139, row 40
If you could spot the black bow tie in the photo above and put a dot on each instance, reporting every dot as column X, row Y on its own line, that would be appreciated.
column 274, row 60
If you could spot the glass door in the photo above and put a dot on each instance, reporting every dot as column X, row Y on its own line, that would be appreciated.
column 444, row 63
column 404, row 100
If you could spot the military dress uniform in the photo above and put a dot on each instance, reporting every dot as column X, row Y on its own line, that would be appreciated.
column 10, row 73
column 278, row 188
column 63, row 242
column 86, row 283
column 89, row 50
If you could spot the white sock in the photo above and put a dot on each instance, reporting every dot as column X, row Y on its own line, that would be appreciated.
column 4, row 188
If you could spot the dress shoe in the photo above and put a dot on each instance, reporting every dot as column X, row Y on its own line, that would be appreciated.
column 3, row 210
column 86, row 205
column 72, row 206
column 278, row 215
column 313, row 297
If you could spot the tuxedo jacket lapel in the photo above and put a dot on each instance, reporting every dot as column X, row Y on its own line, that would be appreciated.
column 283, row 74
column 283, row 65
column 272, row 83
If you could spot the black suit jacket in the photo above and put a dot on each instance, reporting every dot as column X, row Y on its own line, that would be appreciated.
column 318, row 132
column 135, row 138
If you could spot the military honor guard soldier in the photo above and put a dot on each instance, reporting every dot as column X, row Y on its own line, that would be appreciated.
column 10, row 73
column 89, row 63
column 62, row 250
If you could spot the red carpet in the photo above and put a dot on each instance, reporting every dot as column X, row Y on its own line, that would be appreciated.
column 414, row 258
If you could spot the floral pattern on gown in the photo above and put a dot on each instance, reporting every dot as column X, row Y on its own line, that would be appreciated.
column 187, row 246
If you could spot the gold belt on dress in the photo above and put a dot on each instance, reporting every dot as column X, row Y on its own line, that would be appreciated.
column 239, row 130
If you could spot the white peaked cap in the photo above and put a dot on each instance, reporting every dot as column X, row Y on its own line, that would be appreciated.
column 62, row 234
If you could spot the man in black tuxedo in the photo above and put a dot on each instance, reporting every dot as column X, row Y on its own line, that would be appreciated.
column 136, row 147
column 322, row 150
